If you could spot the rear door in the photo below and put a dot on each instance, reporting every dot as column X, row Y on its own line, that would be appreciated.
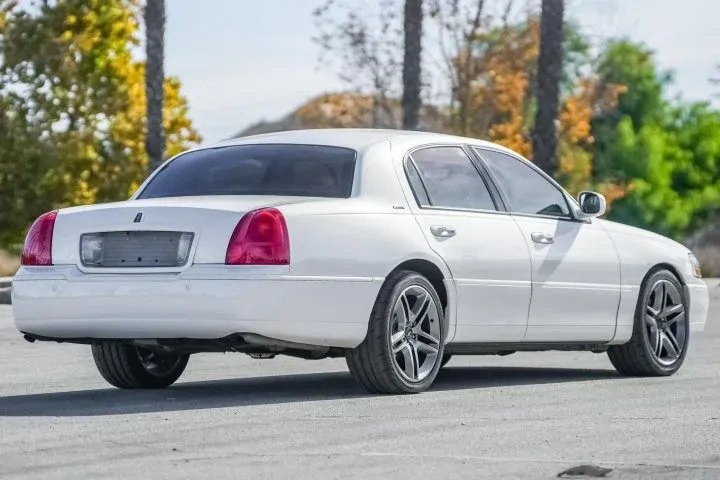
column 575, row 267
column 480, row 243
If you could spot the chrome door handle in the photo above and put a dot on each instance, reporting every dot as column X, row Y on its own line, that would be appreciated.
column 540, row 237
column 442, row 231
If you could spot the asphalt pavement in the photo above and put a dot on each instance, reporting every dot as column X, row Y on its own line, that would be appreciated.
column 528, row 415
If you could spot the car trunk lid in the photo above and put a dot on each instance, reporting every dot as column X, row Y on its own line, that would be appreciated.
column 148, row 235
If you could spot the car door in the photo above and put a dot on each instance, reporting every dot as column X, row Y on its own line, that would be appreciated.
column 575, row 266
column 481, row 244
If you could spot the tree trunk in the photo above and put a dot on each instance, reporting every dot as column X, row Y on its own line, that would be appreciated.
column 411, row 64
column 154, row 80
column 549, row 75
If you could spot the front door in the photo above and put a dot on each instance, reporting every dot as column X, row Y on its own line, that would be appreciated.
column 482, row 246
column 575, row 267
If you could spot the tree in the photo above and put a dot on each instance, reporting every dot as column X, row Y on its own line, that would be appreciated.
column 24, row 161
column 549, row 77
column 460, row 25
column 411, row 63
column 666, row 152
column 676, row 189
column 362, row 43
column 72, row 108
column 154, row 80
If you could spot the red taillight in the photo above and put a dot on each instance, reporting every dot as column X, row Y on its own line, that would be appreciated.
column 260, row 238
column 38, row 242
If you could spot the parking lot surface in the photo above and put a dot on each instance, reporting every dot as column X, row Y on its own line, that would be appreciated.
column 528, row 415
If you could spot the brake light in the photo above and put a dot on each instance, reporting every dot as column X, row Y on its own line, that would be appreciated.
column 38, row 242
column 260, row 238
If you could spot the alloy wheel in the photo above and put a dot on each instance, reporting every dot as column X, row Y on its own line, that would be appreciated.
column 665, row 324
column 415, row 333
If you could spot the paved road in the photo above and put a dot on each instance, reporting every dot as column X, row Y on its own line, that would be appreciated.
column 523, row 416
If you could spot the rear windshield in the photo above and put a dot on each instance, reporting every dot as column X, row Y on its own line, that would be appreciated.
column 295, row 170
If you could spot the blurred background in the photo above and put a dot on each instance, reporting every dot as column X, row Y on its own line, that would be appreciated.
column 618, row 96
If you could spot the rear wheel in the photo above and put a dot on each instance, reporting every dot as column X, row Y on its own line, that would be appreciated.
column 661, row 332
column 127, row 366
column 404, row 344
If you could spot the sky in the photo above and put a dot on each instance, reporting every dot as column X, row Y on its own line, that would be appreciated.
column 241, row 61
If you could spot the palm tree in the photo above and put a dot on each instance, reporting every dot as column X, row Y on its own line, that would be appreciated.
column 154, row 80
column 411, row 64
column 549, row 76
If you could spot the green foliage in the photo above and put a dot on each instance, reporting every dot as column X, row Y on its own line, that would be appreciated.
column 675, row 187
column 631, row 65
column 24, row 161
column 667, row 153
column 626, row 63
column 73, row 105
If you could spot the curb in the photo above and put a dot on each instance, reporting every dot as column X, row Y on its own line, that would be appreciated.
column 5, row 284
column 5, row 296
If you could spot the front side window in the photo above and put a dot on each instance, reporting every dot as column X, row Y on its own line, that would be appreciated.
column 527, row 190
column 449, row 178
column 294, row 170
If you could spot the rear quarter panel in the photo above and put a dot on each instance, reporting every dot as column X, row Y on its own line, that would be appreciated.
column 362, row 238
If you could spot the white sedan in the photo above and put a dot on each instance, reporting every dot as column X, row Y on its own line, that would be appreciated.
column 393, row 249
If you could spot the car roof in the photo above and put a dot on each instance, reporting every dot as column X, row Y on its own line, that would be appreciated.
column 355, row 138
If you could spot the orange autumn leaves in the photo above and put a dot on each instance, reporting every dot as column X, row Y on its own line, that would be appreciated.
column 492, row 80
column 576, row 140
column 502, row 104
column 501, row 92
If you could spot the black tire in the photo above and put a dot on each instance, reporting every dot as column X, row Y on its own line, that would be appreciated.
column 445, row 359
column 637, row 357
column 372, row 363
column 121, row 366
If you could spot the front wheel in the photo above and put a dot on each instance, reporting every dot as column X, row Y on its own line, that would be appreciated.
column 445, row 359
column 128, row 366
column 403, row 348
column 661, row 331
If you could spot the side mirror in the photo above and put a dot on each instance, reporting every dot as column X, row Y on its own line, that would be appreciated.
column 591, row 204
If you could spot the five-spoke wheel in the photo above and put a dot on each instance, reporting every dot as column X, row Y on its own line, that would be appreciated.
column 665, row 322
column 403, row 348
column 415, row 333
column 660, row 336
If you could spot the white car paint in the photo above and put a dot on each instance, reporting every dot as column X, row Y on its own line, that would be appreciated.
column 490, row 267
column 500, row 286
column 576, row 281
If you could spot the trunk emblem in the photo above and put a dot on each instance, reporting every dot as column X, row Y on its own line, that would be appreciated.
column 138, row 218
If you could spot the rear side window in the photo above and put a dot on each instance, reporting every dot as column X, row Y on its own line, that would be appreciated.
column 450, row 179
column 294, row 170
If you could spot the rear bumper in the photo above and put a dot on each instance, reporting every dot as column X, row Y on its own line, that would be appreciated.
column 203, row 303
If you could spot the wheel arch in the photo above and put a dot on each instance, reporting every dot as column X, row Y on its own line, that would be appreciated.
column 632, row 357
column 430, row 271
column 675, row 272
column 437, row 278
column 663, row 266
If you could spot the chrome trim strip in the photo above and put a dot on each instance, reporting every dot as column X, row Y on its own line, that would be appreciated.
column 578, row 286
column 489, row 184
column 493, row 283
